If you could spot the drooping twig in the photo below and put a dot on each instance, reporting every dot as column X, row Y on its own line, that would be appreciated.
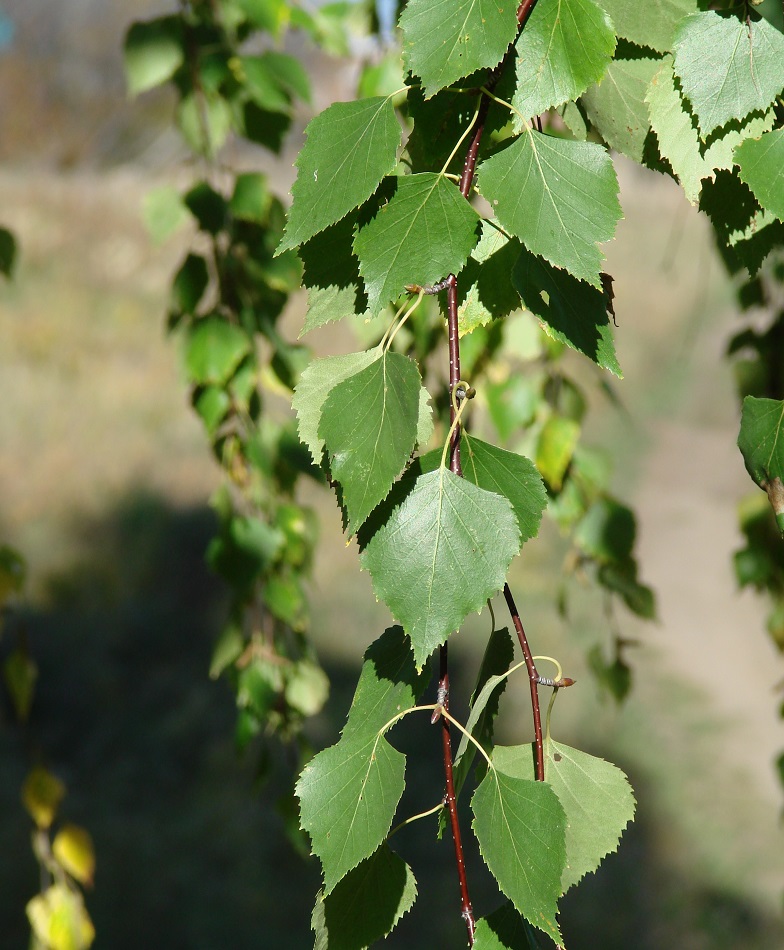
column 450, row 283
column 450, row 799
column 533, row 680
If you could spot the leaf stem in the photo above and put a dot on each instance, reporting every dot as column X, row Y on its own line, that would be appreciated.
column 412, row 818
column 533, row 680
column 462, row 139
column 405, row 317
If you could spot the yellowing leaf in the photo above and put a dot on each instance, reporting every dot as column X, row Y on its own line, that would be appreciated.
column 60, row 920
column 73, row 848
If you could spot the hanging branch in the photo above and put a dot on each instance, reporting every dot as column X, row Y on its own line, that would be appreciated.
column 466, row 183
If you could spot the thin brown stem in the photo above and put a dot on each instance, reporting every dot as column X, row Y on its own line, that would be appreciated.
column 466, row 183
column 533, row 681
column 450, row 799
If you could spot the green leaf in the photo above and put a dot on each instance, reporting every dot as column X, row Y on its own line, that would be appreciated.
column 189, row 284
column 250, row 199
column 307, row 688
column 598, row 802
column 315, row 384
column 614, row 675
column 504, row 929
column 388, row 684
column 485, row 291
column 555, row 447
column 649, row 24
column 565, row 47
column 617, row 107
column 207, row 206
column 728, row 69
column 425, row 231
column 621, row 578
column 205, row 122
column 559, row 197
column 761, row 164
column 441, row 553
column 214, row 349
column 270, row 15
column 568, row 309
column 7, row 252
column 20, row 673
column 761, row 442
column 331, row 275
column 366, row 905
column 678, row 135
column 262, row 126
column 607, row 531
column 369, row 426
column 521, row 828
column 350, row 147
column 596, row 798
column 153, row 52
column 444, row 43
column 164, row 212
column 289, row 73
column 261, row 82
column 348, row 796
column 228, row 648
column 509, row 474
column 490, row 683
column 212, row 403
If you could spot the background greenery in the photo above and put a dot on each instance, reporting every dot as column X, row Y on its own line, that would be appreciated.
column 104, row 478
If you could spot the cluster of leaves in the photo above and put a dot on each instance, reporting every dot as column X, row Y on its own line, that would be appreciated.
column 226, row 302
column 379, row 195
column 57, row 915
column 537, row 838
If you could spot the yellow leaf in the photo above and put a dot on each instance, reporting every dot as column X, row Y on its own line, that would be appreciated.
column 73, row 848
column 60, row 920
column 42, row 793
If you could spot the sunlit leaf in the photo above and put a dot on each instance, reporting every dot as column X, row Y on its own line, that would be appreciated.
column 521, row 827
column 426, row 231
column 348, row 796
column 728, row 67
column 73, row 848
column 651, row 23
column 565, row 47
column 350, row 147
column 369, row 426
column 559, row 197
column 153, row 52
column 439, row 555
column 315, row 384
column 214, row 349
column 60, row 920
column 678, row 136
column 444, row 42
